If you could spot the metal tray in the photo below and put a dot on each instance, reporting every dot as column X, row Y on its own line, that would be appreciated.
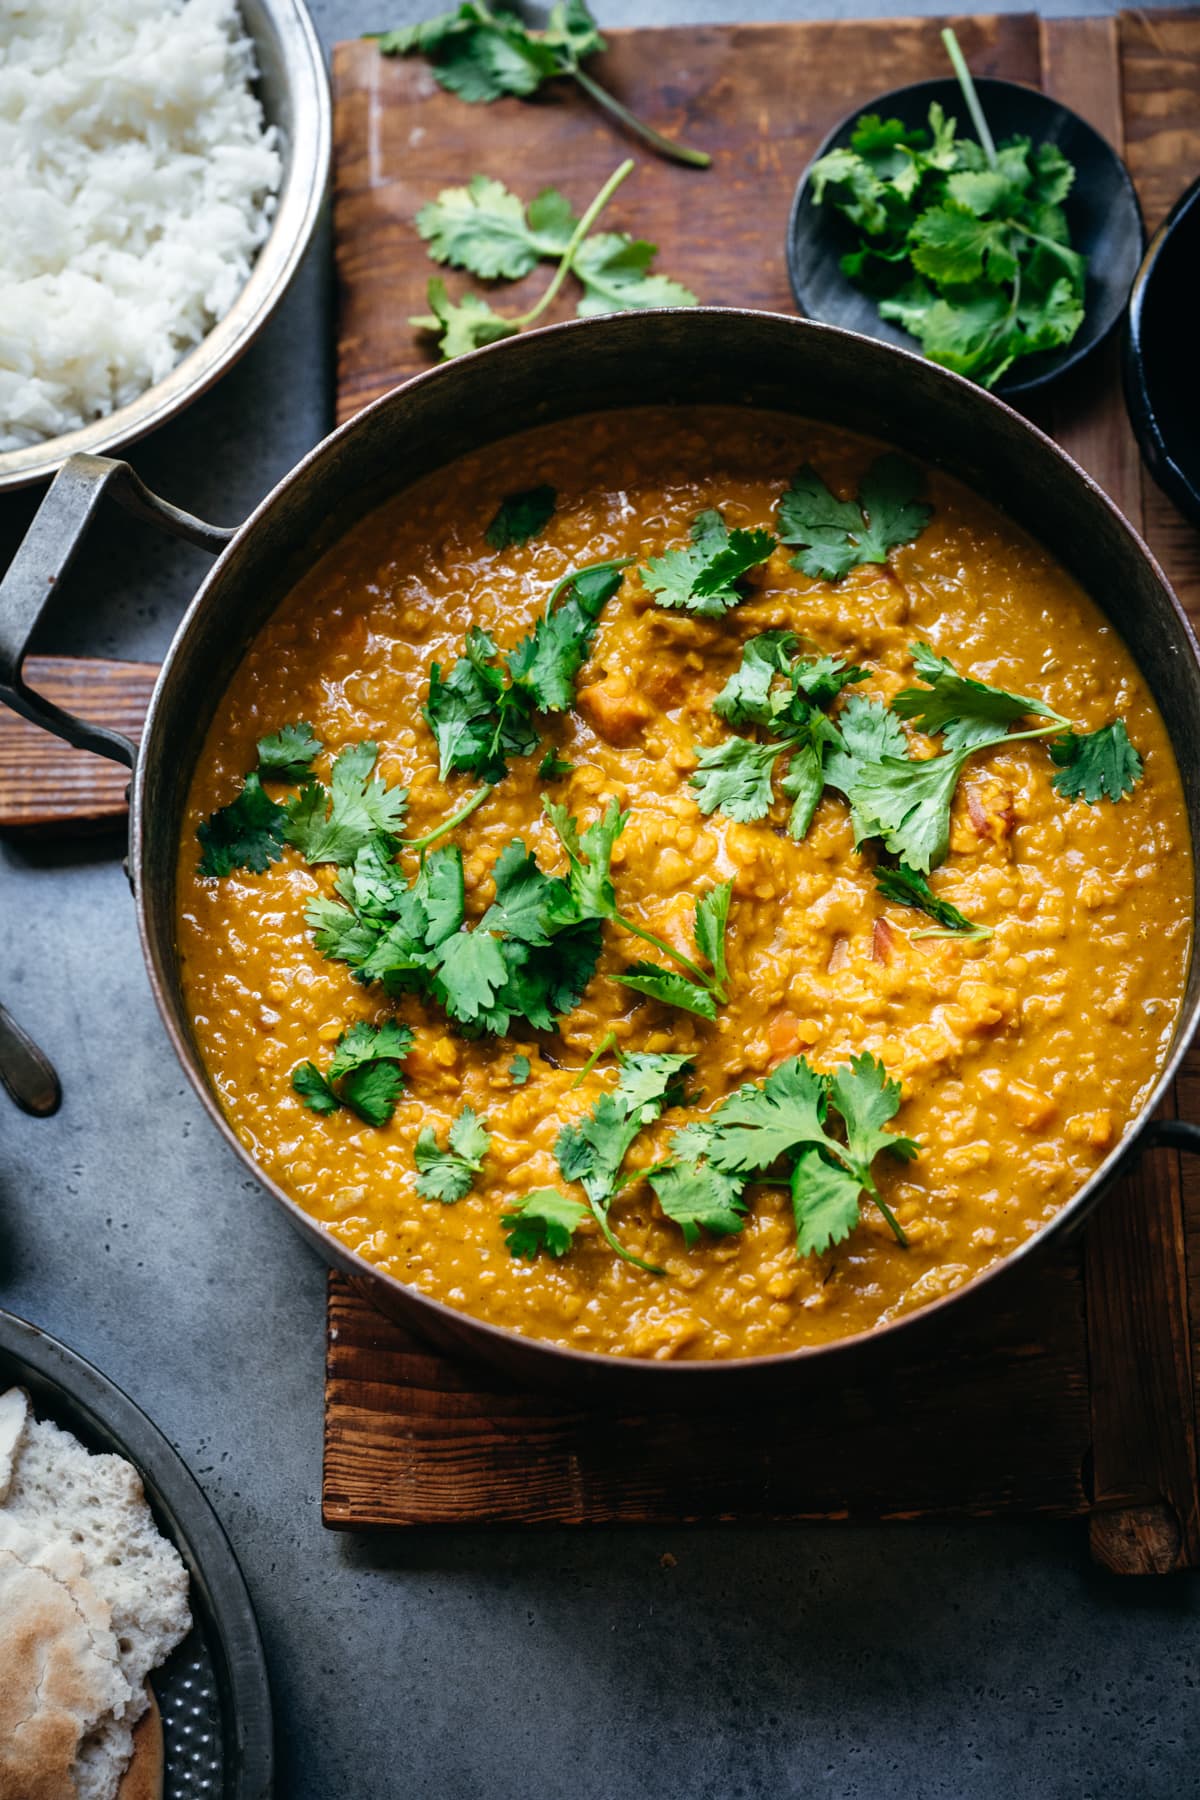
column 212, row 1692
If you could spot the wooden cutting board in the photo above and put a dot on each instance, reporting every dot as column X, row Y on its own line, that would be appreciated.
column 1073, row 1391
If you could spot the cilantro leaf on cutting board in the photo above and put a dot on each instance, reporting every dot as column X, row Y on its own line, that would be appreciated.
column 487, row 230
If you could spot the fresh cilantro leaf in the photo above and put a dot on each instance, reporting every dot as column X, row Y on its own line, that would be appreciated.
column 906, row 887
column 553, row 767
column 869, row 732
column 519, row 1070
column 589, row 857
column 712, row 919
column 826, row 1202
column 364, row 1043
column 823, row 679
column 694, row 1196
column 783, row 1120
column 446, row 1175
column 478, row 721
column 521, row 516
column 670, row 988
column 703, row 578
column 528, row 905
column 950, row 244
column 804, row 783
column 617, row 276
column 746, row 697
column 471, row 972
column 967, row 712
column 544, row 1220
column 480, row 55
column 1096, row 764
column 907, row 804
column 544, row 664
column 359, row 809
column 734, row 777
column 867, row 1099
column 288, row 753
column 840, row 535
column 246, row 834
column 593, row 1150
column 313, row 1089
column 439, row 892
column 365, row 1073
column 760, row 1123
column 485, row 228
column 372, row 1090
column 461, row 325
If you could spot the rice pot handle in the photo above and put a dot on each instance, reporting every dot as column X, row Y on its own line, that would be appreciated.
column 46, row 553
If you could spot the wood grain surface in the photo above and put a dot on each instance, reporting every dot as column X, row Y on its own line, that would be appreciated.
column 1074, row 1390
column 45, row 786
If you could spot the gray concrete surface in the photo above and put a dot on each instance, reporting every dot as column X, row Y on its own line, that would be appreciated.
column 969, row 1661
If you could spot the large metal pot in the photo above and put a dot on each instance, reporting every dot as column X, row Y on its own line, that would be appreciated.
column 710, row 355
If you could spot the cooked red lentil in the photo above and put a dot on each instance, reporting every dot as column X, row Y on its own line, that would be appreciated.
column 1023, row 1057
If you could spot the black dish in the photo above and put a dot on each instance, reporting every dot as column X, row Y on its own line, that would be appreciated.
column 1159, row 351
column 212, row 1692
column 1102, row 210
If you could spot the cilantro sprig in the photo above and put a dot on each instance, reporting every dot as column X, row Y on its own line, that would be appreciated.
column 905, row 887
column 484, row 228
column 906, row 801
column 481, row 53
column 965, row 244
column 835, row 535
column 324, row 825
column 590, row 883
column 364, row 1075
column 448, row 1174
column 592, row 1151
column 778, row 1130
column 673, row 989
column 482, row 713
column 705, row 577
column 784, row 694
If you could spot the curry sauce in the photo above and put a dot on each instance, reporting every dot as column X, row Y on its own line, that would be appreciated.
column 1023, row 1057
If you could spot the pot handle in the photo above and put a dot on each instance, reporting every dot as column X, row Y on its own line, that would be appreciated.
column 1172, row 1134
column 46, row 553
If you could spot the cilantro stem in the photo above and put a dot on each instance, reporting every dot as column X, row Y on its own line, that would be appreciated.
column 959, row 64
column 889, row 1215
column 607, row 1042
column 464, row 812
column 577, row 236
column 685, row 962
column 614, row 1243
column 682, row 153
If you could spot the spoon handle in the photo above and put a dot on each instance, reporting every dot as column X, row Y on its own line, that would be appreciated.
column 26, row 1071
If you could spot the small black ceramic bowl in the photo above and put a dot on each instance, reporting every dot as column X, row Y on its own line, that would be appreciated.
column 1102, row 211
column 1161, row 387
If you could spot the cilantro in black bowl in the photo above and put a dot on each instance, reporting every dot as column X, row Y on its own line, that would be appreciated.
column 983, row 223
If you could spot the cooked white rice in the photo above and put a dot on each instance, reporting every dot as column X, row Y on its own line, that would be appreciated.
column 137, row 185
